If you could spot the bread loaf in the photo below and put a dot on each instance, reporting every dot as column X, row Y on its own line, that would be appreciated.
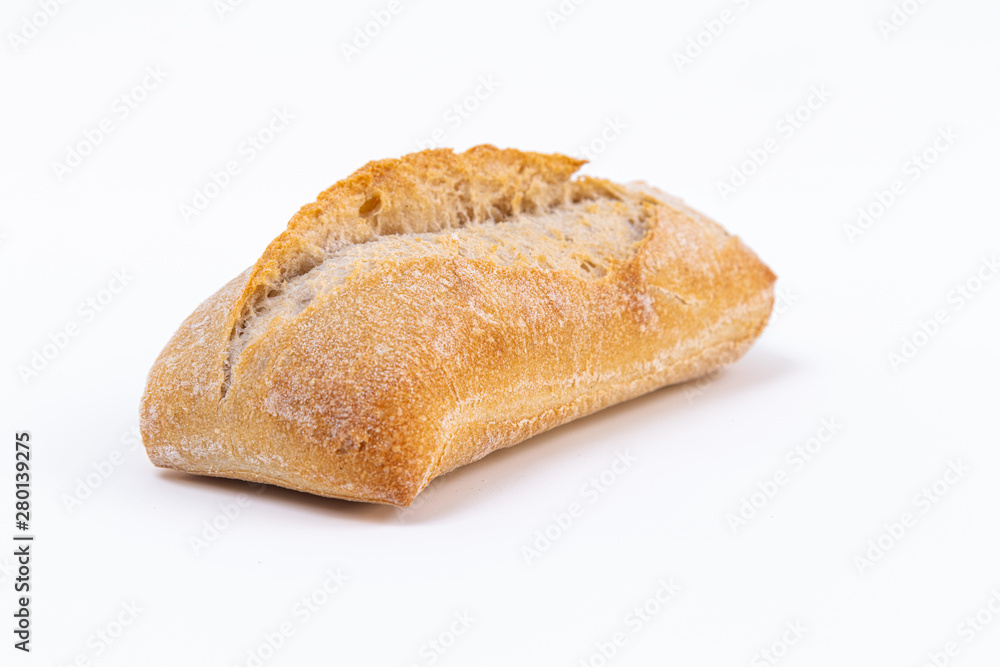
column 429, row 310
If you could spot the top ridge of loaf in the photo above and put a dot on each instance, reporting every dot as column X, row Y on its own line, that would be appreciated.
column 421, row 192
column 437, row 189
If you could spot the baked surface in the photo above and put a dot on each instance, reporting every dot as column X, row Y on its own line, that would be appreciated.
column 429, row 310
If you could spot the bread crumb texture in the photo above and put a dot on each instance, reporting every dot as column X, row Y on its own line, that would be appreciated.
column 429, row 310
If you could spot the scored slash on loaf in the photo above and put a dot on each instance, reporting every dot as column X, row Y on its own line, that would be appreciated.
column 429, row 310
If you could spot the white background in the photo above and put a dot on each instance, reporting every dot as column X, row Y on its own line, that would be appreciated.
column 699, row 450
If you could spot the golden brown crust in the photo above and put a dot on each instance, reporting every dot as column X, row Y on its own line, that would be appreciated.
column 373, row 390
